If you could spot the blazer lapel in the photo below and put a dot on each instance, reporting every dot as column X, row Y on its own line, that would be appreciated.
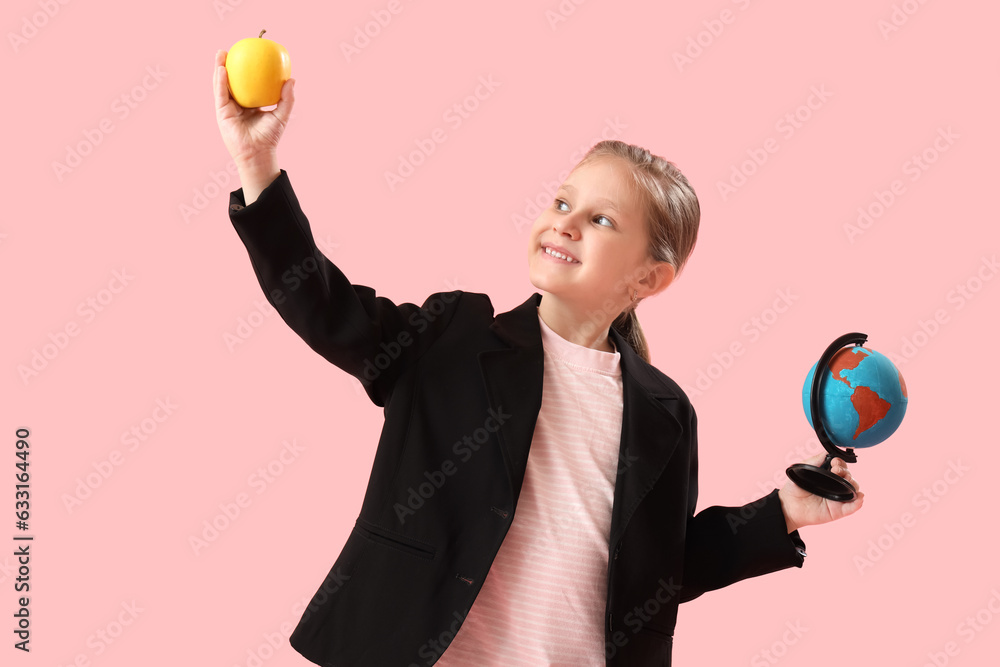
column 651, row 427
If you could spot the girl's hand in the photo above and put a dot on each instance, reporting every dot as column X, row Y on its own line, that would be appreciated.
column 251, row 135
column 802, row 508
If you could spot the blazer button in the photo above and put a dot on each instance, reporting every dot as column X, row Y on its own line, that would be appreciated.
column 235, row 207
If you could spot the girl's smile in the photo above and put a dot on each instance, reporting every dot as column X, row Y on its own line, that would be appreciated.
column 558, row 254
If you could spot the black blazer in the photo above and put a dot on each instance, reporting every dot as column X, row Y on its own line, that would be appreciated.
column 461, row 389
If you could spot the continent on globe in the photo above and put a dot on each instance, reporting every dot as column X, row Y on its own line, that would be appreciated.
column 870, row 408
column 847, row 360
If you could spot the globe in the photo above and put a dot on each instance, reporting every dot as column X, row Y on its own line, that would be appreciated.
column 862, row 397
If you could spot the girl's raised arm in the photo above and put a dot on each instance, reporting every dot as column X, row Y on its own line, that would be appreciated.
column 366, row 335
column 362, row 333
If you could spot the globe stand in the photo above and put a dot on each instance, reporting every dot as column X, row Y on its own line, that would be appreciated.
column 821, row 480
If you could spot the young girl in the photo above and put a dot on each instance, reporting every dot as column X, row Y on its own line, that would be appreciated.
column 533, row 492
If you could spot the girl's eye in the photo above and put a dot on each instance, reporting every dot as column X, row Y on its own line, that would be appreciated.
column 560, row 202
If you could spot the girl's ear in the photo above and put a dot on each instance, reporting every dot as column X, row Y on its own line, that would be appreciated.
column 660, row 275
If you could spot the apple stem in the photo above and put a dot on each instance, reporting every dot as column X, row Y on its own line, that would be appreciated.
column 261, row 33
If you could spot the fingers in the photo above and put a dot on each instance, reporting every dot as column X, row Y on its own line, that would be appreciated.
column 220, row 80
column 217, row 74
column 839, row 467
column 816, row 460
column 286, row 102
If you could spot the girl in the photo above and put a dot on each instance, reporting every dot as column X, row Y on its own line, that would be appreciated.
column 533, row 492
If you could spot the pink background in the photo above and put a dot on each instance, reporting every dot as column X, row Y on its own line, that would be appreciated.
column 450, row 225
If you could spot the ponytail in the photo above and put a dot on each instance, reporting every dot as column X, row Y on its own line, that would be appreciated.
column 628, row 327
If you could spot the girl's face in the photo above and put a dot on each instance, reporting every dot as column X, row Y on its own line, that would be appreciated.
column 596, row 222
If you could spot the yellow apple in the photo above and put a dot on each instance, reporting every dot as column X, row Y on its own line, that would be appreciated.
column 257, row 68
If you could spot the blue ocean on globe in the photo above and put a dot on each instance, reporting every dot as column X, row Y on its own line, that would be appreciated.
column 862, row 398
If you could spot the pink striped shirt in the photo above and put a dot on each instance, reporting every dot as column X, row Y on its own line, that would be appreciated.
column 543, row 601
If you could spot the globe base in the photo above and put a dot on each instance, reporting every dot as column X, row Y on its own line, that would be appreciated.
column 821, row 481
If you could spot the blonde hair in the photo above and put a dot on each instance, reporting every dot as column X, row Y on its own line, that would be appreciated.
column 672, row 216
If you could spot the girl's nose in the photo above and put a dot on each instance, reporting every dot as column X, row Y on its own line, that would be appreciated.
column 567, row 224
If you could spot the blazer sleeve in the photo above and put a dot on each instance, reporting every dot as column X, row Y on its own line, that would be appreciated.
column 724, row 545
column 366, row 335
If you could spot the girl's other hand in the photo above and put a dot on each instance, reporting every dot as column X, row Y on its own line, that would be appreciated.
column 802, row 508
column 250, row 135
